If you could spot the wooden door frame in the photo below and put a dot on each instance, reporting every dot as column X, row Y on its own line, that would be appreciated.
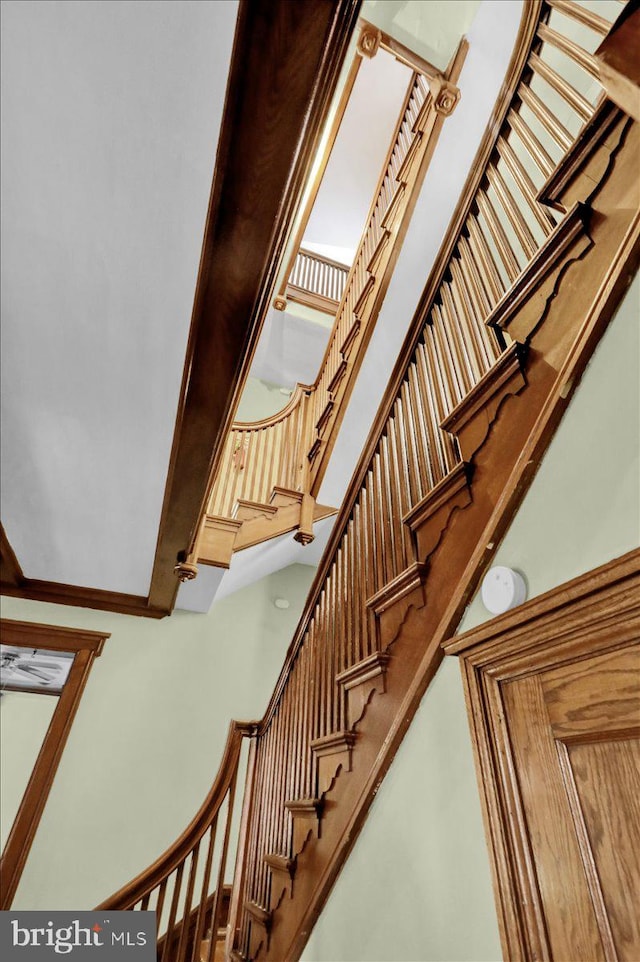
column 86, row 645
column 595, row 612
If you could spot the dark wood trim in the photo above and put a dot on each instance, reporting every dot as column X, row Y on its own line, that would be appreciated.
column 14, row 584
column 26, row 634
column 575, row 314
column 592, row 613
column 554, row 615
column 87, row 646
column 10, row 570
column 31, row 690
column 56, row 593
column 276, row 104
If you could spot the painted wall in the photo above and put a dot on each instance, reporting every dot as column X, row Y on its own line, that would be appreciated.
column 260, row 399
column 430, row 29
column 583, row 508
column 24, row 720
column 149, row 732
column 417, row 887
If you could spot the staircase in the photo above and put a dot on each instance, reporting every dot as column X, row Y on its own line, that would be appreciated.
column 271, row 471
column 542, row 246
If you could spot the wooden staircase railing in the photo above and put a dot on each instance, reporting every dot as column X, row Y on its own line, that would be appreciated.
column 289, row 452
column 186, row 885
column 317, row 281
column 537, row 256
column 261, row 455
column 476, row 348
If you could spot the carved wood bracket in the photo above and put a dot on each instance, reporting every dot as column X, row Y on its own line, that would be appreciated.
column 470, row 421
column 388, row 607
column 306, row 814
column 282, row 870
column 331, row 754
column 525, row 304
column 260, row 921
column 358, row 684
column 430, row 518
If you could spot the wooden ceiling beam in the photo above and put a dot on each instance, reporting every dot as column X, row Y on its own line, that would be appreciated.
column 285, row 65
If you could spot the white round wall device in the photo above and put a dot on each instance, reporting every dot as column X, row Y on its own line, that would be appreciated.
column 502, row 589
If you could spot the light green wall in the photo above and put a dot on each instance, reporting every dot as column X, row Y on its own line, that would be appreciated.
column 432, row 29
column 583, row 508
column 260, row 400
column 24, row 720
column 416, row 887
column 149, row 732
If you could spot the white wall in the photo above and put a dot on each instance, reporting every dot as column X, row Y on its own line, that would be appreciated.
column 416, row 887
column 149, row 732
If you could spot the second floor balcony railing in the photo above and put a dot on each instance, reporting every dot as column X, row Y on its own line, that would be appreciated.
column 290, row 451
column 317, row 281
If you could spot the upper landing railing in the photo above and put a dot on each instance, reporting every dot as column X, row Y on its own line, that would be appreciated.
column 291, row 449
column 502, row 232
column 317, row 281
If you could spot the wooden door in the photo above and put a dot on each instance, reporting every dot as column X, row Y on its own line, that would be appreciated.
column 574, row 732
column 554, row 697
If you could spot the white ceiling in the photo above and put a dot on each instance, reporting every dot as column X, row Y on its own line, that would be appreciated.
column 110, row 118
column 351, row 176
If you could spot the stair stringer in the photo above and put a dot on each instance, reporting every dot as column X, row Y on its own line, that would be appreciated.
column 571, row 317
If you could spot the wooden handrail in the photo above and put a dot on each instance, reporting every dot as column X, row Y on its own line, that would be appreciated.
column 465, row 241
column 126, row 897
column 176, row 872
column 359, row 275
